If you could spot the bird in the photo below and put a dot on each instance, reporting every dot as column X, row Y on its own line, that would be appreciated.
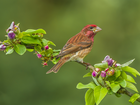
column 77, row 47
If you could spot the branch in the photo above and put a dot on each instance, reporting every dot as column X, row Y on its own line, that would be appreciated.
column 27, row 46
column 129, row 94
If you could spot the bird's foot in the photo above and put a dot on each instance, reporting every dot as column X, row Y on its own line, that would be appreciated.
column 87, row 65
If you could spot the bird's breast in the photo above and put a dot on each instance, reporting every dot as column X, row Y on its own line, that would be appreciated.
column 79, row 56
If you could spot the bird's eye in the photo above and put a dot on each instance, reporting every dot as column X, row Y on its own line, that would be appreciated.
column 91, row 27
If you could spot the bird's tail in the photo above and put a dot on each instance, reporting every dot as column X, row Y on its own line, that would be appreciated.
column 57, row 66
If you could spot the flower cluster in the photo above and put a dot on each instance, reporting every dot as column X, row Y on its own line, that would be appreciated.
column 42, row 57
column 12, row 30
column 109, row 70
column 29, row 40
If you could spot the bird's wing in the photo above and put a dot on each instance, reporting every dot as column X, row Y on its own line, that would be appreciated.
column 76, row 43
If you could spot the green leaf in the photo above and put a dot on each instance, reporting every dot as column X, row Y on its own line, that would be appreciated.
column 20, row 35
column 30, row 50
column 134, row 98
column 30, row 40
column 56, row 50
column 130, row 79
column 123, row 83
column 99, row 94
column 115, row 87
column 87, row 75
column 131, row 86
column 89, row 97
column 124, row 75
column 51, row 43
column 20, row 49
column 38, row 48
column 108, row 83
column 111, row 78
column 117, row 73
column 54, row 54
column 48, row 52
column 127, row 63
column 101, row 65
column 9, row 50
column 82, row 86
column 47, row 42
column 110, row 92
column 131, row 70
column 32, row 31
column 54, row 61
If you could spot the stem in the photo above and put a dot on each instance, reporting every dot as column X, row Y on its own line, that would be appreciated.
column 130, row 94
column 126, row 92
column 27, row 46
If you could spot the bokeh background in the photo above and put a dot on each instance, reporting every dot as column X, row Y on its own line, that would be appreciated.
column 23, row 80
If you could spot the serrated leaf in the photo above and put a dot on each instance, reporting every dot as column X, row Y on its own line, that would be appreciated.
column 124, row 75
column 51, row 43
column 134, row 98
column 115, row 87
column 30, row 40
column 131, row 70
column 38, row 48
column 123, row 83
column 47, row 42
column 117, row 73
column 32, row 31
column 99, row 94
column 9, row 50
column 87, row 75
column 89, row 97
column 131, row 86
column 127, row 63
column 20, row 49
column 82, row 86
column 101, row 65
column 130, row 79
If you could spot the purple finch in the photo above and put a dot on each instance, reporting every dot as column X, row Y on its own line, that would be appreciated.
column 77, row 47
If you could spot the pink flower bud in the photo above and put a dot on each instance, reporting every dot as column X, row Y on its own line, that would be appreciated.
column 117, row 64
column 94, row 73
column 46, row 47
column 11, row 35
column 39, row 55
column 103, row 74
column 97, row 69
column 111, row 72
column 106, row 69
column 45, row 64
column 2, row 47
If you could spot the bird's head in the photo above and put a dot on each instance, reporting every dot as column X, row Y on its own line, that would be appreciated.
column 90, row 30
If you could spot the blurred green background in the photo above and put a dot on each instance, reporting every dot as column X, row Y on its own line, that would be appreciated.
column 23, row 80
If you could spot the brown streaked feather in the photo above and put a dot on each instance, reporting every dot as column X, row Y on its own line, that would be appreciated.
column 75, row 44
column 57, row 66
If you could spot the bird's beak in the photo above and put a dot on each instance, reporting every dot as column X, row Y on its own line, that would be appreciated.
column 97, row 29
